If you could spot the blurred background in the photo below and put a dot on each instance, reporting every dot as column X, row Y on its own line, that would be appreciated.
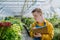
column 24, row 7
column 21, row 10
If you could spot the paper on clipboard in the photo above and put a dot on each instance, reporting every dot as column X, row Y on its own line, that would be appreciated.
column 41, row 30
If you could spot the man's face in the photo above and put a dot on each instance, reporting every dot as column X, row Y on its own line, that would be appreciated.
column 37, row 16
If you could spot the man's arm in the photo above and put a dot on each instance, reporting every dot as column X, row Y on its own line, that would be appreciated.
column 50, row 34
column 31, row 33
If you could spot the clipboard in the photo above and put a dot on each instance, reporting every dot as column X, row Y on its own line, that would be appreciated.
column 42, row 30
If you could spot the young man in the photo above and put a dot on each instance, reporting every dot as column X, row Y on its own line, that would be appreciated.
column 39, row 19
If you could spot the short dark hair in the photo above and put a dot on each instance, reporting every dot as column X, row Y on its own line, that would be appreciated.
column 37, row 10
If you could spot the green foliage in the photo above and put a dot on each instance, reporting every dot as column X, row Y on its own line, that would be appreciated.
column 10, row 33
column 57, row 34
column 27, row 21
column 13, row 32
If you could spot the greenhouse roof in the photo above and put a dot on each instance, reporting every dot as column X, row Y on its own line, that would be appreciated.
column 23, row 7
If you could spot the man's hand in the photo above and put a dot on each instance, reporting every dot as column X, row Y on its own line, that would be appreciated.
column 37, row 35
column 34, row 28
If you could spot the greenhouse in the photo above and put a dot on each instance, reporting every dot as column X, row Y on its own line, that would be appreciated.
column 17, row 17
